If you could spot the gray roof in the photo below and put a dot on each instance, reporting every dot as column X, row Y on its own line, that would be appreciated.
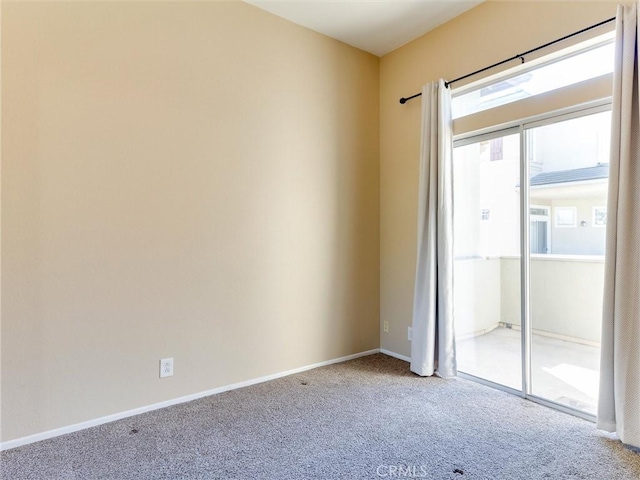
column 575, row 175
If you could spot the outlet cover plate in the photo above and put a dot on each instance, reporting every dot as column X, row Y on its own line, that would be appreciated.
column 166, row 367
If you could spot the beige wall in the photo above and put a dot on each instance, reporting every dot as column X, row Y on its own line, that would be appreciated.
column 188, row 180
column 486, row 34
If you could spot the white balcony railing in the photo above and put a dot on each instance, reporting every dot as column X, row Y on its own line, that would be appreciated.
column 565, row 296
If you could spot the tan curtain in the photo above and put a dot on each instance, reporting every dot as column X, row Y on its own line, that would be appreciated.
column 433, row 343
column 619, row 402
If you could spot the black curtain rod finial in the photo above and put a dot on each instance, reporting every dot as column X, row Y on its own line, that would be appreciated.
column 404, row 100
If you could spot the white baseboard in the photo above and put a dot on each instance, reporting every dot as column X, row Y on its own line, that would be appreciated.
column 396, row 355
column 18, row 442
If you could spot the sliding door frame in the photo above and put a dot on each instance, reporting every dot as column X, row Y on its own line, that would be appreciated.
column 522, row 128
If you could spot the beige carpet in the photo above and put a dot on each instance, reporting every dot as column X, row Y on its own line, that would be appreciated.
column 364, row 419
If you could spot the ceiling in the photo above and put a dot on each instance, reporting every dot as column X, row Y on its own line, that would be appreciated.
column 376, row 26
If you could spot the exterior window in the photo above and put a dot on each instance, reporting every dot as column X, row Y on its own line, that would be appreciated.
column 565, row 216
column 599, row 216
column 572, row 69
column 544, row 211
column 495, row 149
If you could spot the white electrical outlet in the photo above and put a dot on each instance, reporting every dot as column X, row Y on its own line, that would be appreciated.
column 166, row 367
column 409, row 333
column 385, row 327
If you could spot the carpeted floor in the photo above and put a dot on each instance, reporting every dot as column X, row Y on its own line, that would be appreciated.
column 364, row 419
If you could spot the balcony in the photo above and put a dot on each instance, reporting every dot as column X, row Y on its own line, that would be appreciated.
column 566, row 311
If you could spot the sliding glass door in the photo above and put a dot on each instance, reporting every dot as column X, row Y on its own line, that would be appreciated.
column 486, row 173
column 568, row 176
column 529, row 218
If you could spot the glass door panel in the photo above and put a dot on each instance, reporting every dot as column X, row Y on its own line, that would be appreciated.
column 568, row 176
column 486, row 176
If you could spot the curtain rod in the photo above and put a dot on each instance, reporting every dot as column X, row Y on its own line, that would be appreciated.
column 515, row 57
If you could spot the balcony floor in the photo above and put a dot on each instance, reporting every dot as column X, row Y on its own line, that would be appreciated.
column 562, row 371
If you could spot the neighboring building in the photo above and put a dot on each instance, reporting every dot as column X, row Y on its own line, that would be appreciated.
column 568, row 211
column 568, row 191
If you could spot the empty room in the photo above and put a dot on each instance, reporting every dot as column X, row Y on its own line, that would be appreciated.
column 346, row 239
